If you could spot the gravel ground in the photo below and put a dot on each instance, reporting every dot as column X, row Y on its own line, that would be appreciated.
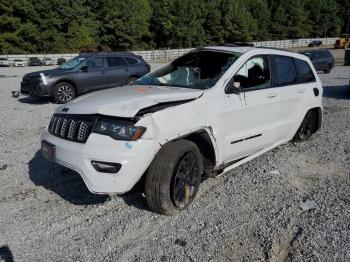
column 252, row 213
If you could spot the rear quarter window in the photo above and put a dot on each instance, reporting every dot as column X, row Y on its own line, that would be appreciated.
column 304, row 71
column 115, row 61
column 131, row 61
column 283, row 71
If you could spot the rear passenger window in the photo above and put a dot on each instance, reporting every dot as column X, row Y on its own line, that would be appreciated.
column 304, row 71
column 115, row 61
column 283, row 72
column 131, row 61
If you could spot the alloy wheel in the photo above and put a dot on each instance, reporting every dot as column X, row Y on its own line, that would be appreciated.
column 65, row 93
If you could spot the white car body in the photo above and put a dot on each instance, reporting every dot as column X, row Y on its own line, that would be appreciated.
column 4, row 62
column 18, row 63
column 240, row 126
column 48, row 61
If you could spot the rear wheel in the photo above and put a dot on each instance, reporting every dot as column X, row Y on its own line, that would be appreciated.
column 64, row 92
column 328, row 70
column 307, row 127
column 173, row 178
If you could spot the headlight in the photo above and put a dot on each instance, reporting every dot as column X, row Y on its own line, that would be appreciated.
column 118, row 129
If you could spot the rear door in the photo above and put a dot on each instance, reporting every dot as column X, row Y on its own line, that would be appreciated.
column 118, row 71
column 93, row 77
column 255, row 126
column 137, row 67
column 296, row 82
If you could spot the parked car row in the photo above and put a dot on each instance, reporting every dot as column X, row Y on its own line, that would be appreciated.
column 205, row 113
column 32, row 61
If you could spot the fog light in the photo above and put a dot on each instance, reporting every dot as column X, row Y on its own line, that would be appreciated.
column 105, row 167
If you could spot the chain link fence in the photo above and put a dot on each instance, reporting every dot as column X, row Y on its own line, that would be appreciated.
column 170, row 54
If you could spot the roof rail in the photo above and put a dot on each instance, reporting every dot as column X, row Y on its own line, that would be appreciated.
column 126, row 53
column 235, row 44
column 275, row 48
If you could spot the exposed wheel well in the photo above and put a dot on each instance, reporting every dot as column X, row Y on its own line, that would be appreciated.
column 202, row 140
column 205, row 145
column 318, row 113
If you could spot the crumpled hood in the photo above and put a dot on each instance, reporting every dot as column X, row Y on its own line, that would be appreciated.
column 126, row 101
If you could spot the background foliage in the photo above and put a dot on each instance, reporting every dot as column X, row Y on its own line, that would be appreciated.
column 81, row 25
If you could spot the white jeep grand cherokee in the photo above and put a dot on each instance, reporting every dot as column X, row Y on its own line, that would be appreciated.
column 203, row 114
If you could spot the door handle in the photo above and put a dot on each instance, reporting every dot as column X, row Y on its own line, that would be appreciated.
column 103, row 72
column 301, row 90
column 271, row 95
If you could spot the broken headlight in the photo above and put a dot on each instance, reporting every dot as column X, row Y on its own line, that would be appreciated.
column 119, row 129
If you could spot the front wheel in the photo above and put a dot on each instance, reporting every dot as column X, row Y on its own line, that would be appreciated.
column 173, row 178
column 64, row 92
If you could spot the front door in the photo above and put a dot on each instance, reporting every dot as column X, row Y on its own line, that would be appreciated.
column 92, row 76
column 254, row 126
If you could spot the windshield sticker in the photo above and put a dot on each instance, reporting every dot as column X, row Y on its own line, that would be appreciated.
column 141, row 90
column 127, row 145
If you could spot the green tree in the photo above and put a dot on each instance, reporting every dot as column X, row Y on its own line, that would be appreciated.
column 124, row 24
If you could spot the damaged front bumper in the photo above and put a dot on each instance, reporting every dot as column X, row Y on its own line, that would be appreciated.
column 133, row 156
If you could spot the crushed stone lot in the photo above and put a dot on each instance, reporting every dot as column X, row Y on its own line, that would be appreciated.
column 291, row 204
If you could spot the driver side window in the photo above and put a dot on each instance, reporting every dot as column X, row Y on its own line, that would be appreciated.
column 254, row 74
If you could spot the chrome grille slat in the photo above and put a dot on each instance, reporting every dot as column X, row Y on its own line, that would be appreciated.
column 58, row 126
column 71, row 130
column 64, row 127
column 75, row 128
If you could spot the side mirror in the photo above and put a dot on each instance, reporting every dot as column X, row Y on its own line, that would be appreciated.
column 84, row 68
column 233, row 88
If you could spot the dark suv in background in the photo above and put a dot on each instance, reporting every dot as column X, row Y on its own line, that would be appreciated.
column 322, row 59
column 315, row 43
column 85, row 73
column 34, row 61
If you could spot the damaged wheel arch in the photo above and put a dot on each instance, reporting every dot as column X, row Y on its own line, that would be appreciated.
column 206, row 143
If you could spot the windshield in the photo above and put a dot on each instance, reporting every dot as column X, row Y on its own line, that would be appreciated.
column 73, row 63
column 196, row 70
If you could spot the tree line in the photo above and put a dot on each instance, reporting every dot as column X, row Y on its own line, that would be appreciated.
column 30, row 26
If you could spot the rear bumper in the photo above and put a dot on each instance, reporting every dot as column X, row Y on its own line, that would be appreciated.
column 134, row 158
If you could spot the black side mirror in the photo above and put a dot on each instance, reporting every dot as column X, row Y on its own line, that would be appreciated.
column 84, row 68
column 233, row 88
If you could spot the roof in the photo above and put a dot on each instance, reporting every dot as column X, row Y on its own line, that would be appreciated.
column 233, row 49
column 255, row 50
column 125, row 53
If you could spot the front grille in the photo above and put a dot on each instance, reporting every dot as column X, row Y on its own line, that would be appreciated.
column 29, row 83
column 75, row 128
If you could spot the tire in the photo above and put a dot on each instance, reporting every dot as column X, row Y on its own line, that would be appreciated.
column 64, row 92
column 132, row 79
column 328, row 70
column 307, row 127
column 173, row 178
